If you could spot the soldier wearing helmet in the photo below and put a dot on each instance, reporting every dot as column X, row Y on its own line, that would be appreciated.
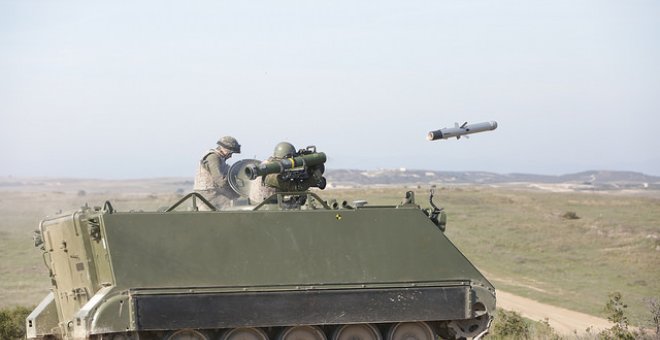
column 292, row 180
column 211, row 179
column 266, row 186
column 284, row 150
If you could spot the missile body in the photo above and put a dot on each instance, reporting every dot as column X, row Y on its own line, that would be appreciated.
column 458, row 131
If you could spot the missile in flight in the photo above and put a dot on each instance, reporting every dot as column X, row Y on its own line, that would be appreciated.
column 462, row 130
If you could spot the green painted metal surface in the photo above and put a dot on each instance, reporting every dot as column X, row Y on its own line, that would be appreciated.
column 275, row 248
column 103, row 261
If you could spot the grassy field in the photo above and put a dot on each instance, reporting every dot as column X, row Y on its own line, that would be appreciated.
column 519, row 238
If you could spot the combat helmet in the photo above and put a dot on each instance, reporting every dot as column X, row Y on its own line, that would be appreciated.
column 284, row 149
column 230, row 143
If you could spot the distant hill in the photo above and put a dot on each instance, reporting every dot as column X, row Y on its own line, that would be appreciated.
column 83, row 185
column 588, row 180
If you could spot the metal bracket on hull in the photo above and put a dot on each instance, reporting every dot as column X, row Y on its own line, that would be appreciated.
column 194, row 197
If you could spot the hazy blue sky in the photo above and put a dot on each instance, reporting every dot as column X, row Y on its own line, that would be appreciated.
column 128, row 89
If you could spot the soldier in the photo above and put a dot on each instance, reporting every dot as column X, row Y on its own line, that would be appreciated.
column 266, row 185
column 211, row 179
column 295, row 181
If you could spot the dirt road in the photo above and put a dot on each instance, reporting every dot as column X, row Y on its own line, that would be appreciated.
column 564, row 321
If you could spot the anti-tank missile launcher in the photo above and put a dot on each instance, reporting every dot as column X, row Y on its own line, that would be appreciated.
column 303, row 169
column 281, row 165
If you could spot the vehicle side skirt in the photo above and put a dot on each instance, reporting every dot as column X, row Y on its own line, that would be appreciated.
column 311, row 307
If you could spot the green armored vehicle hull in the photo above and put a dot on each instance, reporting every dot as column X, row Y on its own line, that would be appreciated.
column 313, row 272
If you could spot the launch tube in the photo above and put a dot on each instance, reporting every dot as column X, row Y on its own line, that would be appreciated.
column 253, row 171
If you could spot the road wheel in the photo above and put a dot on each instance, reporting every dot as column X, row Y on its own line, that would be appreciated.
column 186, row 334
column 411, row 331
column 245, row 334
column 302, row 333
column 356, row 332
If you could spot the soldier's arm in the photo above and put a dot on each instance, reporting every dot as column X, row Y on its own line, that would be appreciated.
column 217, row 169
column 272, row 181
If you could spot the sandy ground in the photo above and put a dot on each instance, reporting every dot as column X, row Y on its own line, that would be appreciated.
column 564, row 321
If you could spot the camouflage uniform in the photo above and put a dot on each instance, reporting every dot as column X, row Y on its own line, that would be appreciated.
column 211, row 178
column 259, row 192
column 267, row 185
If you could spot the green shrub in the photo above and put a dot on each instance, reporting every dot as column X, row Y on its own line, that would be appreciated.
column 570, row 215
column 543, row 331
column 616, row 313
column 12, row 323
column 510, row 325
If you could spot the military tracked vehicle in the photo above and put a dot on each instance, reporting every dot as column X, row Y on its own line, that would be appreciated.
column 292, row 267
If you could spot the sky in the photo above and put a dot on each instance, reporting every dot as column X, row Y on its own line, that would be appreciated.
column 138, row 89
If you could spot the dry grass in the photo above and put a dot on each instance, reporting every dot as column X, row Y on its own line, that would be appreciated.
column 519, row 238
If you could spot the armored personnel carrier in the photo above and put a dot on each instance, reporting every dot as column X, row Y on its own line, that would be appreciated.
column 293, row 267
